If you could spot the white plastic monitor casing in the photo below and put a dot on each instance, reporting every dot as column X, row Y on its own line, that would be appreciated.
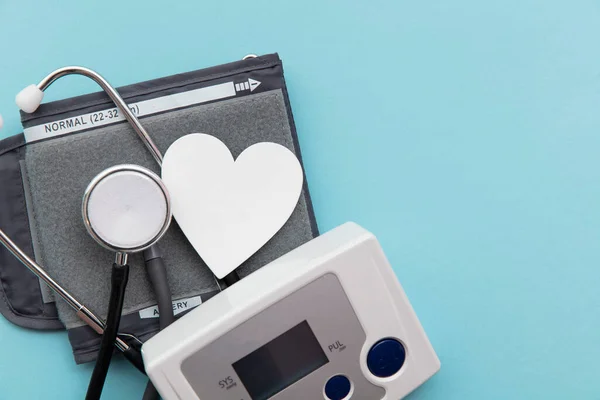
column 349, row 252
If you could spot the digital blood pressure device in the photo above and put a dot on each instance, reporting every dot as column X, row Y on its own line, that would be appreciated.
column 328, row 320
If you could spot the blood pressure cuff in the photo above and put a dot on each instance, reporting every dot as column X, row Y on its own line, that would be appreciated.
column 45, row 170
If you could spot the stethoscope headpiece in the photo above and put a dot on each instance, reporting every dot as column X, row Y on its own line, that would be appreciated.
column 126, row 208
column 30, row 98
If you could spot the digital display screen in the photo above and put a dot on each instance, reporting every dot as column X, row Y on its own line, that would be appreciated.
column 281, row 362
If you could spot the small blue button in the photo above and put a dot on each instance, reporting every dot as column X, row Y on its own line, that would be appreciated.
column 386, row 358
column 337, row 387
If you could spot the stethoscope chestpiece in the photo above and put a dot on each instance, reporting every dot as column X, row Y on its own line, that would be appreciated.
column 126, row 209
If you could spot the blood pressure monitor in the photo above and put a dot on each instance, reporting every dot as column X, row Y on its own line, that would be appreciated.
column 328, row 320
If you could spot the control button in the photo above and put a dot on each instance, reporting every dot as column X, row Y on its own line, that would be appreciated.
column 337, row 387
column 386, row 358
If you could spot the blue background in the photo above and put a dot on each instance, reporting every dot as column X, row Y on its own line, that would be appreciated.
column 465, row 134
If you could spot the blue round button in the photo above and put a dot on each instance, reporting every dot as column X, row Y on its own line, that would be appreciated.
column 386, row 357
column 337, row 387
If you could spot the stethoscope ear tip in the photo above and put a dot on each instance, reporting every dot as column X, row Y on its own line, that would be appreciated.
column 29, row 99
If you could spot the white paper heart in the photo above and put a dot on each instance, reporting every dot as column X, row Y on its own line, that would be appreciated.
column 228, row 209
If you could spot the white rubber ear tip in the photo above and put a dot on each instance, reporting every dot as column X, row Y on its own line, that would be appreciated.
column 1, row 122
column 29, row 99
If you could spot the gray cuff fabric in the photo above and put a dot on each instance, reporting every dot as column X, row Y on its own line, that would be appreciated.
column 45, row 180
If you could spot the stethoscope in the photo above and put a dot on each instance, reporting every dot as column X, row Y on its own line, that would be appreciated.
column 120, row 184
column 29, row 99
